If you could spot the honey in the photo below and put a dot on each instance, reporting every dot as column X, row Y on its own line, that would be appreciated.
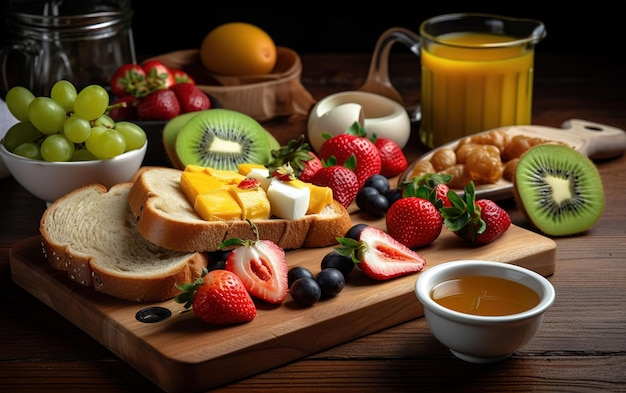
column 485, row 296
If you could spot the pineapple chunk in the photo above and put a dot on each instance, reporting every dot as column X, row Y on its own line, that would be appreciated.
column 245, row 168
column 320, row 198
column 229, row 177
column 218, row 204
column 196, row 183
column 253, row 202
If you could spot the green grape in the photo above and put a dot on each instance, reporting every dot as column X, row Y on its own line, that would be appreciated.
column 134, row 135
column 83, row 155
column 19, row 133
column 91, row 102
column 77, row 129
column 64, row 93
column 91, row 143
column 111, row 143
column 28, row 150
column 57, row 147
column 18, row 98
column 47, row 115
column 105, row 121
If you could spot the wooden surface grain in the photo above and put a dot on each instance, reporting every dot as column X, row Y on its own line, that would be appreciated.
column 581, row 346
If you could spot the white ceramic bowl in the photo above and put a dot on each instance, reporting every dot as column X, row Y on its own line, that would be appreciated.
column 483, row 339
column 378, row 114
column 50, row 180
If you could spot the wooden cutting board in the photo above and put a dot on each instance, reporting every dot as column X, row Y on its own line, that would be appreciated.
column 182, row 354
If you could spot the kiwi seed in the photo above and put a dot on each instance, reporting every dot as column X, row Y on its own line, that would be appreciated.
column 558, row 189
column 222, row 139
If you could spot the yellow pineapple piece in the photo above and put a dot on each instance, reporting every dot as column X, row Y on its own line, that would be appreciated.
column 320, row 196
column 253, row 202
column 196, row 183
column 245, row 168
column 218, row 204
column 229, row 177
column 194, row 168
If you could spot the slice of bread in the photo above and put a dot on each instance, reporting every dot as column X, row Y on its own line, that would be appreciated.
column 165, row 217
column 92, row 235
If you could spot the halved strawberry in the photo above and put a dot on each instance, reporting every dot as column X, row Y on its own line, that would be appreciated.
column 262, row 267
column 380, row 256
column 218, row 297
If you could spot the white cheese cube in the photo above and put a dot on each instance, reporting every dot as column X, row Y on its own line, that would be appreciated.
column 288, row 201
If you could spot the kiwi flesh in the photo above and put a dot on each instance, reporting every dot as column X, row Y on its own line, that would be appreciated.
column 170, row 133
column 558, row 189
column 222, row 139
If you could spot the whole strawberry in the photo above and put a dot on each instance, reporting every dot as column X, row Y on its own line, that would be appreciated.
column 431, row 186
column 190, row 97
column 477, row 221
column 340, row 178
column 218, row 297
column 262, row 267
column 414, row 221
column 159, row 105
column 393, row 160
column 298, row 154
column 379, row 256
column 353, row 142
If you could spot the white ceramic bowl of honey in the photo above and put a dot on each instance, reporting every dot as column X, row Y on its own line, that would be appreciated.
column 483, row 311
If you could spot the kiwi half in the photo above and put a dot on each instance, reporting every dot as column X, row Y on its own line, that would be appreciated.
column 558, row 189
column 222, row 139
column 170, row 133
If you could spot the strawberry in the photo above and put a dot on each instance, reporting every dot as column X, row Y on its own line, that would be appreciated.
column 340, row 178
column 158, row 75
column 297, row 153
column 431, row 186
column 353, row 142
column 124, row 108
column 181, row 76
column 218, row 297
column 477, row 221
column 190, row 97
column 262, row 267
column 158, row 105
column 414, row 221
column 393, row 160
column 379, row 256
column 127, row 79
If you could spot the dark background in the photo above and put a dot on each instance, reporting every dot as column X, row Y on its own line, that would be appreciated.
column 334, row 26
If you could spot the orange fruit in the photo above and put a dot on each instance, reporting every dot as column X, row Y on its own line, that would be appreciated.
column 238, row 48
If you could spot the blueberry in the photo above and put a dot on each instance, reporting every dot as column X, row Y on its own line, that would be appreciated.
column 376, row 205
column 305, row 291
column 393, row 195
column 355, row 231
column 298, row 272
column 337, row 261
column 331, row 281
column 363, row 194
column 379, row 182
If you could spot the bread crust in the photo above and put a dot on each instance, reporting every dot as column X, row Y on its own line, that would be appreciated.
column 91, row 234
column 166, row 218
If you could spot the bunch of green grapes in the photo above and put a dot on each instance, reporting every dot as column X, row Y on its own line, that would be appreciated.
column 68, row 126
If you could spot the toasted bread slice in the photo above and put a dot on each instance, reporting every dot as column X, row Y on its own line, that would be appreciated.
column 166, row 218
column 92, row 235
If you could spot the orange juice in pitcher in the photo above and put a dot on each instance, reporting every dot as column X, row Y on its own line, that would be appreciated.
column 476, row 72
column 469, row 86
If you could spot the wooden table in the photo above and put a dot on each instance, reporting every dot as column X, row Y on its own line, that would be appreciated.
column 580, row 347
